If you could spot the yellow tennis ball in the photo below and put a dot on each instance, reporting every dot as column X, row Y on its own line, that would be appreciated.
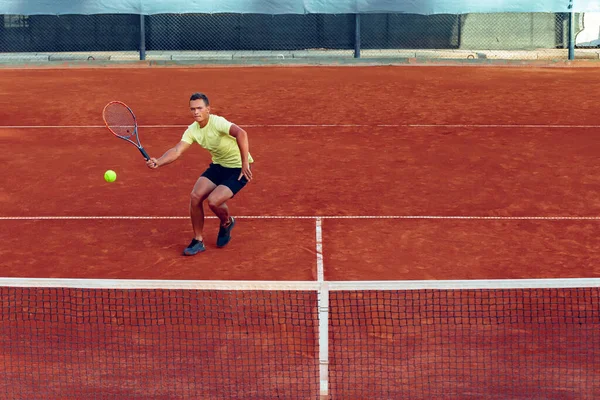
column 110, row 176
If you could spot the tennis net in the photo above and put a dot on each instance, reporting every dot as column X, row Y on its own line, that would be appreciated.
column 130, row 339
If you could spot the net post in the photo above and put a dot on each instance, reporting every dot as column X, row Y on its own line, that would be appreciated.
column 324, row 340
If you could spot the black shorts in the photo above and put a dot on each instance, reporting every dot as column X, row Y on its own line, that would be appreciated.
column 220, row 175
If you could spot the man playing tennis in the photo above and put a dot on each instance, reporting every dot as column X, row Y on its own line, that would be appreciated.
column 226, row 175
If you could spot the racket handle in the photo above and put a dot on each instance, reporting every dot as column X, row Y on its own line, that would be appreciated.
column 146, row 156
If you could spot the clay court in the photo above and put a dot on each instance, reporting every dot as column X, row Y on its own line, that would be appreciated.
column 412, row 144
column 362, row 173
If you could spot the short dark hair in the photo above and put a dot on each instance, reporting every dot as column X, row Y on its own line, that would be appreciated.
column 199, row 96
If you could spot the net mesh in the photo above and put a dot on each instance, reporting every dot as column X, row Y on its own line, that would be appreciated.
column 139, row 344
column 449, row 343
column 120, row 120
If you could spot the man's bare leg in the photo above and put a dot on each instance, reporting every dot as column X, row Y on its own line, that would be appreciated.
column 217, row 203
column 202, row 190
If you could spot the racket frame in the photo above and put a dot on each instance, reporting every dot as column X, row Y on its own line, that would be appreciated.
column 137, row 143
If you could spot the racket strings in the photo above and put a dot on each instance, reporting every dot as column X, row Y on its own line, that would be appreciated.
column 119, row 119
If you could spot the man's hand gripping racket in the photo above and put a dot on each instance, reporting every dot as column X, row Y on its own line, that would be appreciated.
column 121, row 121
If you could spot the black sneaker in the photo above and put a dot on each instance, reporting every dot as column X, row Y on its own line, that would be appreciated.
column 225, row 234
column 195, row 247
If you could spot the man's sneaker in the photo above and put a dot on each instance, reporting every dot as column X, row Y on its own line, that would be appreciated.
column 225, row 233
column 195, row 247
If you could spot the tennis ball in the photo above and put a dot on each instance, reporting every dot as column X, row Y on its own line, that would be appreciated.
column 110, row 176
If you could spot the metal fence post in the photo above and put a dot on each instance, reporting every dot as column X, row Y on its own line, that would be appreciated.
column 142, row 37
column 571, row 35
column 356, row 35
column 571, row 32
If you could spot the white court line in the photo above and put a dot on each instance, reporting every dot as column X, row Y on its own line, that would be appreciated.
column 316, row 217
column 319, row 242
column 546, row 126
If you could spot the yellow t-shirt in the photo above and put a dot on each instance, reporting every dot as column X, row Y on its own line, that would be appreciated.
column 215, row 138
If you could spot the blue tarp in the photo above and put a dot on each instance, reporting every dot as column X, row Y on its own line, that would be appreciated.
column 59, row 7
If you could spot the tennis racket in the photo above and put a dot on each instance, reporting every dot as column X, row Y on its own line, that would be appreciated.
column 121, row 121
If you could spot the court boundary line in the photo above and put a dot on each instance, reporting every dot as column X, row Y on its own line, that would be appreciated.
column 544, row 126
column 306, row 217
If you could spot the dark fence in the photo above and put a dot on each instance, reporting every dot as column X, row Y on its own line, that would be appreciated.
column 232, row 32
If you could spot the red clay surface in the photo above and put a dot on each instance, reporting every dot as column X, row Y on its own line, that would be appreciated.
column 315, row 171
column 460, row 249
column 361, row 170
column 151, row 249
column 473, row 168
